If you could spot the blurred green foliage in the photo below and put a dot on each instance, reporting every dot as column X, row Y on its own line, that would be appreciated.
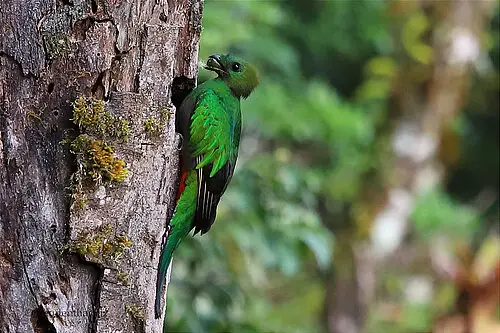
column 316, row 131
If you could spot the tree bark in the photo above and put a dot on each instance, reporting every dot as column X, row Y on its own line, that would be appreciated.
column 127, row 54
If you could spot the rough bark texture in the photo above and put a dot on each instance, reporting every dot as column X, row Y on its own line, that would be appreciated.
column 126, row 53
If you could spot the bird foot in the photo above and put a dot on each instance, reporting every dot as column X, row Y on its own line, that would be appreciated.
column 180, row 141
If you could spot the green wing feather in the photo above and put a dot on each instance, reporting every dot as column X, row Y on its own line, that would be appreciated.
column 210, row 132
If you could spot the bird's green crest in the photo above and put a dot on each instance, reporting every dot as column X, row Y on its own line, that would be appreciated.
column 239, row 75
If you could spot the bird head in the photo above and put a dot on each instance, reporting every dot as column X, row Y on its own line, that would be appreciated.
column 239, row 75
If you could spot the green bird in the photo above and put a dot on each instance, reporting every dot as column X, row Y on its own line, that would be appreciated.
column 209, row 121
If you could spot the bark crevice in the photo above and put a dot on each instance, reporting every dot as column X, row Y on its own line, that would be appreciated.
column 40, row 321
column 25, row 270
column 142, row 46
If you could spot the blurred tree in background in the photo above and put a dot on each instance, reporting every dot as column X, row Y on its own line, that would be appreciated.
column 366, row 197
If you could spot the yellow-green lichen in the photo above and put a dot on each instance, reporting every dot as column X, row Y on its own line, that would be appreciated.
column 135, row 311
column 90, row 116
column 96, row 160
column 79, row 201
column 123, row 278
column 101, row 245
column 165, row 114
column 154, row 126
column 37, row 116
column 57, row 46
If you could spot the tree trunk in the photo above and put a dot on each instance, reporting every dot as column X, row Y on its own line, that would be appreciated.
column 79, row 247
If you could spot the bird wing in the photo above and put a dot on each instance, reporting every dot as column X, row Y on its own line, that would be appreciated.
column 211, row 140
column 210, row 132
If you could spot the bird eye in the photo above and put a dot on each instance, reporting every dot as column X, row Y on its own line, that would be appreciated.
column 236, row 67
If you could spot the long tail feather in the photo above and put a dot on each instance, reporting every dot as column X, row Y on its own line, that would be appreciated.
column 179, row 227
column 158, row 307
column 162, row 277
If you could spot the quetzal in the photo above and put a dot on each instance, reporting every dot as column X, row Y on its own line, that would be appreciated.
column 209, row 121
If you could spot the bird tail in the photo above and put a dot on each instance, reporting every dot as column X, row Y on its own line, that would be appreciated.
column 179, row 227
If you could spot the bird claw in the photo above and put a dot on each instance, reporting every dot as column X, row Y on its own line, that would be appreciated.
column 181, row 140
column 166, row 233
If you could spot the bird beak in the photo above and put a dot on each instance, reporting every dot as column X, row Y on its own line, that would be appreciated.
column 214, row 64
